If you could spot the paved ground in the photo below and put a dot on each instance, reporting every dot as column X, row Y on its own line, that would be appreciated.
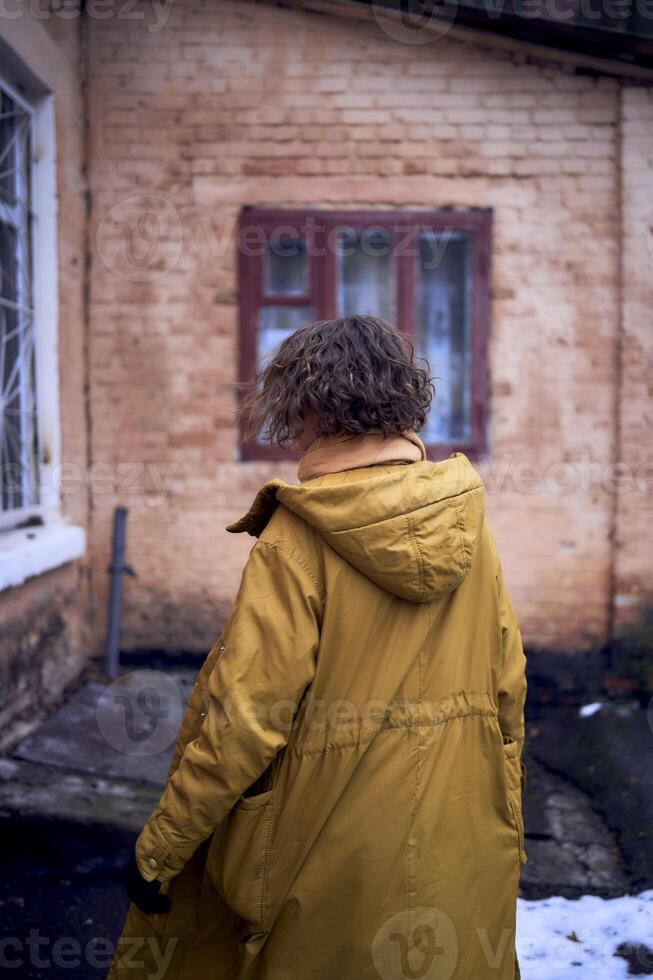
column 61, row 897
column 608, row 757
column 74, row 793
column 571, row 851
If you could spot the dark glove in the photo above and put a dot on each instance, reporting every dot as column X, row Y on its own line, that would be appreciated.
column 145, row 894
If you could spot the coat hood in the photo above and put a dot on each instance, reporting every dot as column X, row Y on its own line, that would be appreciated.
column 411, row 529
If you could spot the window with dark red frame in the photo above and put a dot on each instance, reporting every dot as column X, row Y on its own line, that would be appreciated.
column 427, row 273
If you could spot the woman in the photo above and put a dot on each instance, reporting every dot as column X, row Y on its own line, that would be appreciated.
column 344, row 801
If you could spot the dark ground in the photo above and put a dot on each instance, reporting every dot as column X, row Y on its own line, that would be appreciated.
column 61, row 898
column 607, row 756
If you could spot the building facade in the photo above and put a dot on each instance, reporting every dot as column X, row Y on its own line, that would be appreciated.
column 226, row 171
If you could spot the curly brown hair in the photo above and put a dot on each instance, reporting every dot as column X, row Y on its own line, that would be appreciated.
column 351, row 376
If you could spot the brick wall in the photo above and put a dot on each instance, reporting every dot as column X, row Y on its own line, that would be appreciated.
column 246, row 104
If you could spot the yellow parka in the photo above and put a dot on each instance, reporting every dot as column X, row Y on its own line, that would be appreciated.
column 344, row 801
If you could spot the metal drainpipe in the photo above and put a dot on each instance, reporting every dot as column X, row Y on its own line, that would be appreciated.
column 116, row 570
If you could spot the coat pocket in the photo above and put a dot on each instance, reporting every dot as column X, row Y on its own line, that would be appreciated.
column 238, row 861
column 513, row 772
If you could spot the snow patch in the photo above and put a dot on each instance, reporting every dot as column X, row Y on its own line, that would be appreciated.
column 590, row 709
column 597, row 926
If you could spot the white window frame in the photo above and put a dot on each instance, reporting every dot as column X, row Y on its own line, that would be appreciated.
column 38, row 547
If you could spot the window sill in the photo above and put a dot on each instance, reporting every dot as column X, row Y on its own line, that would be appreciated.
column 29, row 551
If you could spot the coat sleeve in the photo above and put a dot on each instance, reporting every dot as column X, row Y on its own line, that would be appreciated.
column 266, row 660
column 512, row 682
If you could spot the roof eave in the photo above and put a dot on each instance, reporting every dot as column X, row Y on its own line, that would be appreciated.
column 561, row 44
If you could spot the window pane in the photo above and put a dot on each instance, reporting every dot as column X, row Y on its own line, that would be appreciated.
column 8, row 254
column 286, row 267
column 365, row 273
column 443, row 313
column 276, row 323
column 14, row 150
column 10, row 455
column 8, row 128
column 18, row 447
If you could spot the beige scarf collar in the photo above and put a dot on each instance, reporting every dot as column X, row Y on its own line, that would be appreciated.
column 333, row 454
